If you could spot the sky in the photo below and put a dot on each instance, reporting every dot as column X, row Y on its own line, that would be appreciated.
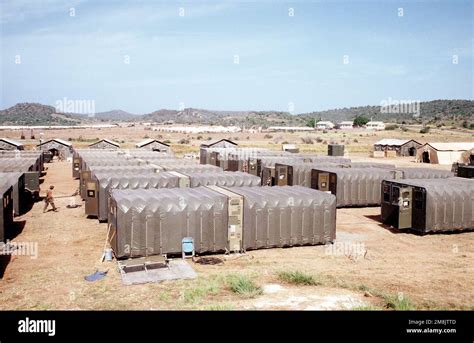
column 300, row 56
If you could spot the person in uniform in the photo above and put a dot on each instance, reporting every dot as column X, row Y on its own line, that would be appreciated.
column 49, row 200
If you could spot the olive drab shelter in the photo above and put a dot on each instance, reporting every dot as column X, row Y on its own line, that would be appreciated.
column 98, row 190
column 428, row 205
column 352, row 186
column 17, row 181
column 154, row 145
column 6, row 213
column 9, row 145
column 57, row 147
column 30, row 167
column 154, row 221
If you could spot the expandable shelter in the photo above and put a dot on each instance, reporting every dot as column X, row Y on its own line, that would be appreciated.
column 6, row 214
column 28, row 167
column 57, row 147
column 401, row 147
column 352, row 186
column 98, row 190
column 17, row 181
column 154, row 222
column 428, row 205
column 443, row 153
column 36, row 156
column 154, row 145
column 222, row 143
column 361, row 186
column 105, row 144
column 88, row 175
column 465, row 171
column 10, row 144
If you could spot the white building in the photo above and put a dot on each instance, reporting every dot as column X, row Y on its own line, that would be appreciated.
column 324, row 125
column 346, row 125
column 375, row 125
column 290, row 128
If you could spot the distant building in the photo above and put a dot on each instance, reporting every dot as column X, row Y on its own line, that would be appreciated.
column 346, row 125
column 324, row 125
column 402, row 147
column 57, row 147
column 290, row 128
column 443, row 153
column 105, row 144
column 154, row 145
column 375, row 125
column 290, row 148
column 9, row 144
column 222, row 143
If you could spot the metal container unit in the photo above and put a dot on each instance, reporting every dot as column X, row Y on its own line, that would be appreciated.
column 351, row 186
column 88, row 175
column 369, row 165
column 298, row 174
column 191, row 168
column 6, row 215
column 146, row 222
column 214, row 156
column 335, row 150
column 28, row 167
column 465, row 171
column 224, row 179
column 232, row 158
column 98, row 190
column 17, row 180
column 421, row 173
column 286, row 216
column 428, row 205
column 36, row 156
column 154, row 222
column 239, row 159
column 256, row 164
column 79, row 154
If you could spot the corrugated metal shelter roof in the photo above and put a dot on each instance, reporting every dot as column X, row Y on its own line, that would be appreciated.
column 11, row 142
column 397, row 142
column 107, row 141
column 208, row 145
column 149, row 141
column 60, row 141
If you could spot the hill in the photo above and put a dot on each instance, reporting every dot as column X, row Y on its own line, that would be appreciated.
column 431, row 112
column 114, row 115
column 35, row 114
column 437, row 112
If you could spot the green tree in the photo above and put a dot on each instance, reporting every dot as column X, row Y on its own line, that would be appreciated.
column 311, row 122
column 360, row 120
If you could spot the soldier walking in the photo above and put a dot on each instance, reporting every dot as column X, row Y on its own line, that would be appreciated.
column 49, row 200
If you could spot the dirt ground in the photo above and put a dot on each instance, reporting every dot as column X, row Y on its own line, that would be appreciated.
column 356, row 141
column 367, row 263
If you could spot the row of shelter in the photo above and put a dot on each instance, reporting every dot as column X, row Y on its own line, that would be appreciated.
column 436, row 153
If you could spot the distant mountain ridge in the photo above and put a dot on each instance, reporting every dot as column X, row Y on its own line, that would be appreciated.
column 430, row 112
